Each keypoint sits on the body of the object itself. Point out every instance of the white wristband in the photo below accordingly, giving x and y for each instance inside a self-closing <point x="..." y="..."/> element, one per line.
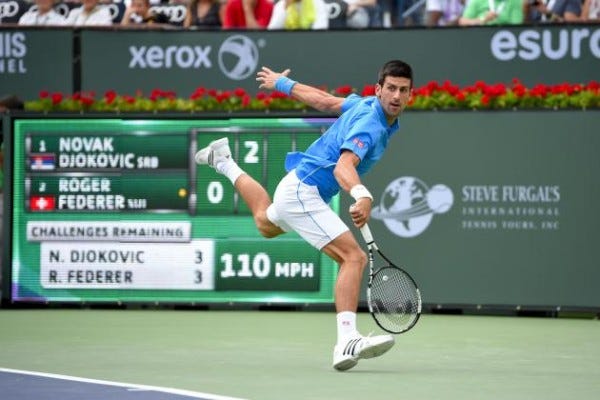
<point x="360" y="191"/>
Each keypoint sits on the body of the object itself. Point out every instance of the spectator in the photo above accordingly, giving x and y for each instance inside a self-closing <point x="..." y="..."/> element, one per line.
<point x="567" y="11"/>
<point x="492" y="12"/>
<point x="205" y="14"/>
<point x="299" y="14"/>
<point x="444" y="12"/>
<point x="537" y="11"/>
<point x="10" y="102"/>
<point x="90" y="14"/>
<point x="358" y="15"/>
<point x="139" y="13"/>
<point x="249" y="14"/>
<point x="42" y="14"/>
<point x="591" y="11"/>
<point x="408" y="12"/>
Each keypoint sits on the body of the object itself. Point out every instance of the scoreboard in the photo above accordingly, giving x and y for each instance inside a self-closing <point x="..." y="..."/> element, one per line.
<point x="116" y="210"/>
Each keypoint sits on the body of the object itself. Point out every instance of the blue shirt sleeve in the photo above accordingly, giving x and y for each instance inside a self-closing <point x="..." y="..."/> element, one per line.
<point x="350" y="102"/>
<point x="359" y="138"/>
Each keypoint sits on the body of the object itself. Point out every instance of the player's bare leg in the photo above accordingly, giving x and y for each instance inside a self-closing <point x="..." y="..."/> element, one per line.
<point x="351" y="345"/>
<point x="352" y="261"/>
<point x="258" y="200"/>
<point x="218" y="155"/>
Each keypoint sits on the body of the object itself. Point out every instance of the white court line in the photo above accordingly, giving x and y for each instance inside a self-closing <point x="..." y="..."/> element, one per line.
<point x="130" y="386"/>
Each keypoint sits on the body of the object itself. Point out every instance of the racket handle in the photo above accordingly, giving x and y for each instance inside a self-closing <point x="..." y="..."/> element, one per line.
<point x="366" y="234"/>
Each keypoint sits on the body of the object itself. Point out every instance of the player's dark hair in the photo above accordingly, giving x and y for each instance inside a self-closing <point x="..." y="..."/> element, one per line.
<point x="395" y="68"/>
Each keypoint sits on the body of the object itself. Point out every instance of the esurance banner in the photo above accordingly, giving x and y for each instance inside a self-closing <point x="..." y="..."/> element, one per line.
<point x="35" y="60"/>
<point x="182" y="61"/>
<point x="493" y="208"/>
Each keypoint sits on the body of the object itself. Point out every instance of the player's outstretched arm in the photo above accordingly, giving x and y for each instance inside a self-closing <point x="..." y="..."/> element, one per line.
<point x="347" y="176"/>
<point x="311" y="96"/>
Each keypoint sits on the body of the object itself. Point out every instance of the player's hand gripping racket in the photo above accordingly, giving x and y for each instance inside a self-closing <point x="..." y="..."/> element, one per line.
<point x="393" y="296"/>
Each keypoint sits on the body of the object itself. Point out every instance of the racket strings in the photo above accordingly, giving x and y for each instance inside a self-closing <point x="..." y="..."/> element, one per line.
<point x="394" y="299"/>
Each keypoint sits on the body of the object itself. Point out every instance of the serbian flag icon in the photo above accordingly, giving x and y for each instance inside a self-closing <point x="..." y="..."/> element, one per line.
<point x="42" y="161"/>
<point x="42" y="203"/>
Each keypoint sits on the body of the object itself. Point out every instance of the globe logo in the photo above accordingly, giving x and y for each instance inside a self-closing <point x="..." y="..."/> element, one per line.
<point x="238" y="57"/>
<point x="408" y="205"/>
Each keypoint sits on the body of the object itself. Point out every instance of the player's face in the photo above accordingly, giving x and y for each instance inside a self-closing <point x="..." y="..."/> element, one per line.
<point x="394" y="95"/>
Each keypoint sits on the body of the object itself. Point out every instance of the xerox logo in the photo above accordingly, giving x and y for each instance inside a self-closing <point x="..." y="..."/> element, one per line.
<point x="532" y="44"/>
<point x="237" y="57"/>
<point x="167" y="57"/>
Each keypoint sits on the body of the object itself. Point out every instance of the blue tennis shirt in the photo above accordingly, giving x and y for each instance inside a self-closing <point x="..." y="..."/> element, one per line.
<point x="362" y="128"/>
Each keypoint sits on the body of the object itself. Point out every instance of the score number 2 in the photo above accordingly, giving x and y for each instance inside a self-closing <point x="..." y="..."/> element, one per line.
<point x="214" y="190"/>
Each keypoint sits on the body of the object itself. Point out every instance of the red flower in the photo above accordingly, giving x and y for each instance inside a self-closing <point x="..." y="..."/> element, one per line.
<point x="432" y="86"/>
<point x="199" y="92"/>
<point x="56" y="98"/>
<point x="539" y="90"/>
<point x="450" y="88"/>
<point x="44" y="94"/>
<point x="495" y="90"/>
<point x="485" y="100"/>
<point x="223" y="96"/>
<point x="88" y="101"/>
<point x="245" y="100"/>
<point x="593" y="85"/>
<point x="518" y="89"/>
<point x="261" y="95"/>
<point x="344" y="90"/>
<point x="460" y="96"/>
<point x="239" y="92"/>
<point x="110" y="95"/>
<point x="470" y="89"/>
<point x="155" y="94"/>
<point x="481" y="85"/>
<point x="368" y="90"/>
<point x="423" y="91"/>
<point x="278" y="95"/>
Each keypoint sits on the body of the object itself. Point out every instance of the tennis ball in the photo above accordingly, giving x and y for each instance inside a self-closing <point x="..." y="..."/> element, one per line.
<point x="440" y="198"/>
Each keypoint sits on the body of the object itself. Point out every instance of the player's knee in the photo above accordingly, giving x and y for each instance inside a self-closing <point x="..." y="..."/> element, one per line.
<point x="266" y="228"/>
<point x="267" y="232"/>
<point x="359" y="257"/>
<point x="362" y="258"/>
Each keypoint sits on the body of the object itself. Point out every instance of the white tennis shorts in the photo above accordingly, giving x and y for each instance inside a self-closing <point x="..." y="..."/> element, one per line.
<point x="299" y="207"/>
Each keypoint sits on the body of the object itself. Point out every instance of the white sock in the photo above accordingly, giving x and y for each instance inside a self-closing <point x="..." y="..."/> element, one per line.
<point x="346" y="325"/>
<point x="230" y="169"/>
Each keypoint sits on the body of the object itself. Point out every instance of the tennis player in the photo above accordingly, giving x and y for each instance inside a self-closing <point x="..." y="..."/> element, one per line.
<point x="347" y="150"/>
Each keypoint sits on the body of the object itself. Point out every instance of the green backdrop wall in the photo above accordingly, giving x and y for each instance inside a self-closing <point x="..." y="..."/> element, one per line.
<point x="483" y="208"/>
<point x="493" y="208"/>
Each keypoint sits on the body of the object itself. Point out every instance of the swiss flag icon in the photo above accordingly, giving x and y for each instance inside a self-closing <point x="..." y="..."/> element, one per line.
<point x="41" y="203"/>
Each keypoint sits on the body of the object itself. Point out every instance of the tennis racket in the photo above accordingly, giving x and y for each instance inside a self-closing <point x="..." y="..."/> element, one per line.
<point x="393" y="296"/>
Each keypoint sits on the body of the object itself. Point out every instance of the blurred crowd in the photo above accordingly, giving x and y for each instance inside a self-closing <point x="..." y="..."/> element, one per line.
<point x="295" y="14"/>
